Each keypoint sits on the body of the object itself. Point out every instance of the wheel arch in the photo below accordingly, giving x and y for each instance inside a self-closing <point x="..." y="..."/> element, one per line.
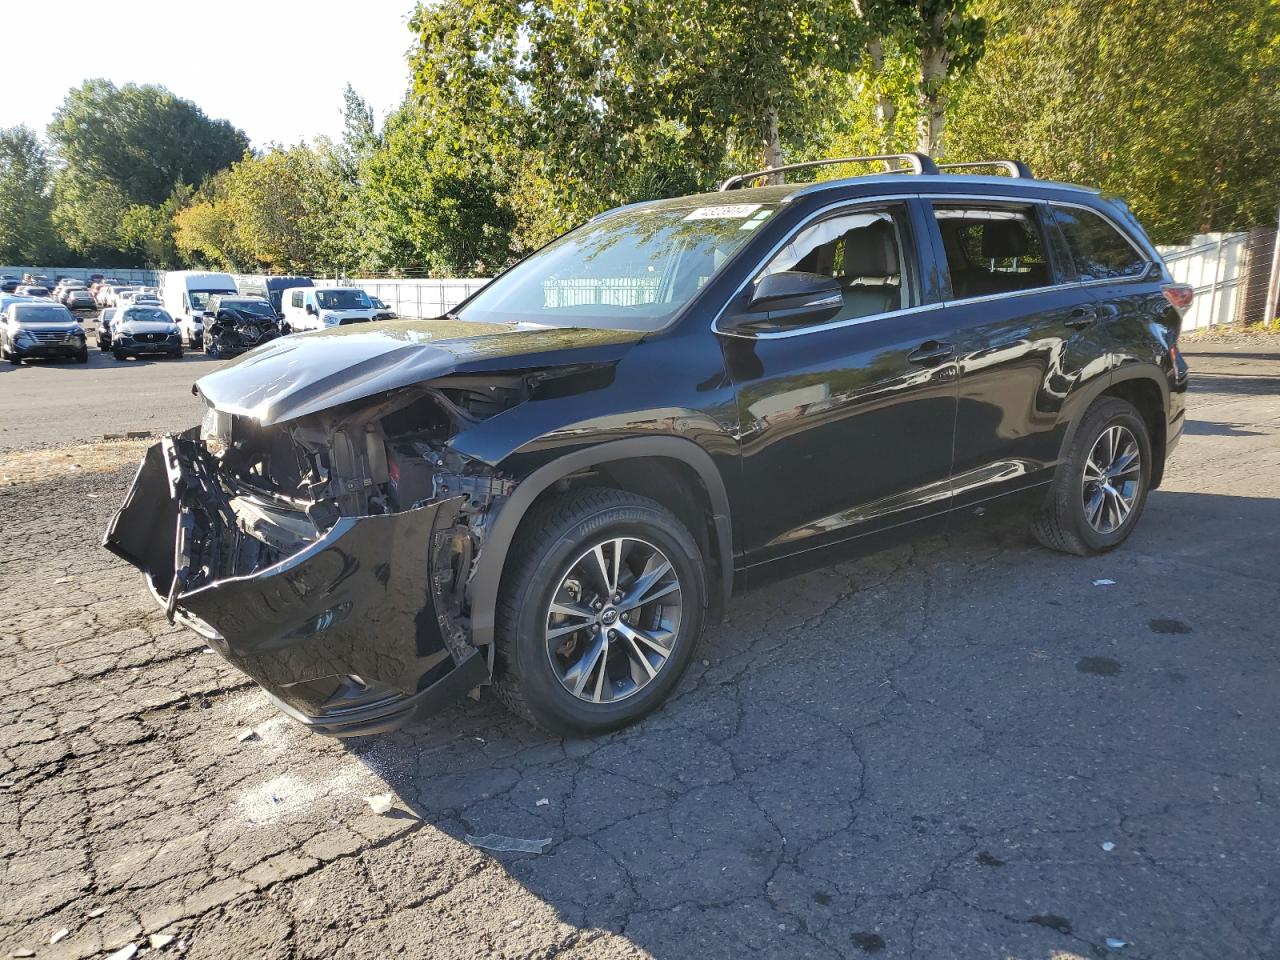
<point x="663" y="454"/>
<point x="1143" y="385"/>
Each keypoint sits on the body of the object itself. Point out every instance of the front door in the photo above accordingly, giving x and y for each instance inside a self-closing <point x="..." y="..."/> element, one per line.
<point x="846" y="426"/>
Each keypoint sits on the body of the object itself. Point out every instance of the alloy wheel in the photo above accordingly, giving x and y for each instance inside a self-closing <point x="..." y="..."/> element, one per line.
<point x="1112" y="479"/>
<point x="613" y="620"/>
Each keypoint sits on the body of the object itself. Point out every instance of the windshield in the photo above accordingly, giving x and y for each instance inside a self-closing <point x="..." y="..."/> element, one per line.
<point x="39" y="313"/>
<point x="200" y="298"/>
<point x="255" y="308"/>
<point x="631" y="271"/>
<point x="346" y="299"/>
<point x="148" y="314"/>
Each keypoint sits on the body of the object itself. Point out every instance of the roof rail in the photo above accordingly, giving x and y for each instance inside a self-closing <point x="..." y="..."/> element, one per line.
<point x="911" y="162"/>
<point x="1014" y="168"/>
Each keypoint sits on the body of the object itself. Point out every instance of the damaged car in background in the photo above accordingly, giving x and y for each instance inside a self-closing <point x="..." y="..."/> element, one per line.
<point x="552" y="488"/>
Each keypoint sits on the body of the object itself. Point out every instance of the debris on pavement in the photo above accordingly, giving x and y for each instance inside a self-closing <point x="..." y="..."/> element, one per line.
<point x="23" y="952"/>
<point x="159" y="941"/>
<point x="126" y="952"/>
<point x="60" y="935"/>
<point x="1104" y="583"/>
<point x="542" y="802"/>
<point x="1115" y="943"/>
<point x="495" y="841"/>
<point x="1108" y="846"/>
<point x="248" y="735"/>
<point x="380" y="803"/>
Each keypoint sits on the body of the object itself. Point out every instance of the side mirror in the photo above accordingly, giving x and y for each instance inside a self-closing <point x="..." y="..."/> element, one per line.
<point x="791" y="298"/>
<point x="208" y="314"/>
<point x="311" y="309"/>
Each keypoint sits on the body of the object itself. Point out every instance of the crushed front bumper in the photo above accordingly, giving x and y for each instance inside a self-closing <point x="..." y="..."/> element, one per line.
<point x="342" y="632"/>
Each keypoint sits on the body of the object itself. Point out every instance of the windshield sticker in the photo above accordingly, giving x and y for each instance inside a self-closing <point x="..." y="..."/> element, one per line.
<point x="728" y="211"/>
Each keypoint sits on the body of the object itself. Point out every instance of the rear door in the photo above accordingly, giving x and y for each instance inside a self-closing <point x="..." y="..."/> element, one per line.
<point x="1024" y="330"/>
<point x="846" y="426"/>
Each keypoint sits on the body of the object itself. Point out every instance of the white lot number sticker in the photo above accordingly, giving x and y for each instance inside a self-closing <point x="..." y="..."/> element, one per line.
<point x="728" y="211"/>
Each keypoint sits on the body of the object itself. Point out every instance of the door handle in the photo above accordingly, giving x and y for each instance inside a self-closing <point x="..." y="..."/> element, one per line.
<point x="1081" y="317"/>
<point x="931" y="353"/>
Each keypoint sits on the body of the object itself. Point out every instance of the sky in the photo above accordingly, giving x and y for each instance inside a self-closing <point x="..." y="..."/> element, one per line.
<point x="274" y="68"/>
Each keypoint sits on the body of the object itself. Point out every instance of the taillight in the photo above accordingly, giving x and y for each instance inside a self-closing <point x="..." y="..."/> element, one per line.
<point x="1179" y="295"/>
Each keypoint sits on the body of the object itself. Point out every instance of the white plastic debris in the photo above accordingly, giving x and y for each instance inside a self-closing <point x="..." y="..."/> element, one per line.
<point x="495" y="841"/>
<point x="248" y="735"/>
<point x="60" y="935"/>
<point x="1115" y="943"/>
<point x="1108" y="846"/>
<point x="23" y="952"/>
<point x="159" y="941"/>
<point x="126" y="952"/>
<point x="96" y="912"/>
<point x="379" y="803"/>
<point x="542" y="802"/>
<point x="1104" y="583"/>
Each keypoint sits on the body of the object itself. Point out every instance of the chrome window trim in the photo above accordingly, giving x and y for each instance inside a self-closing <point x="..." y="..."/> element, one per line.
<point x="870" y="318"/>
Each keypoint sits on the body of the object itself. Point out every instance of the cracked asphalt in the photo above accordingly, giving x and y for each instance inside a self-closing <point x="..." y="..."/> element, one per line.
<point x="963" y="748"/>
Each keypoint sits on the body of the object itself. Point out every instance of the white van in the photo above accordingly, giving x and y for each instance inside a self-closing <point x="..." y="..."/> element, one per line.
<point x="315" y="308"/>
<point x="185" y="293"/>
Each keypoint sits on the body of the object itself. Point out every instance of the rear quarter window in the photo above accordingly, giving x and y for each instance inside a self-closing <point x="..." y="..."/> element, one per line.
<point x="1100" y="251"/>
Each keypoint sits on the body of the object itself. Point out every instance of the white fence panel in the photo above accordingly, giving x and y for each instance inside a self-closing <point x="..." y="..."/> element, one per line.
<point x="1216" y="265"/>
<point x="418" y="298"/>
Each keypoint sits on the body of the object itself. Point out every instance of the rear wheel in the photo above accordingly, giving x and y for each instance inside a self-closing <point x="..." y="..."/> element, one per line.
<point x="1101" y="486"/>
<point x="600" y="610"/>
<point x="118" y="354"/>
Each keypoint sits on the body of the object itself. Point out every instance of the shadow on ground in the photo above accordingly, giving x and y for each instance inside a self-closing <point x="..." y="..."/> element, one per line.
<point x="923" y="753"/>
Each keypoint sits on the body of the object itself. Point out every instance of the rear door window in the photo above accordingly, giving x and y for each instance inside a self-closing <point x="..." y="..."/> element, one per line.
<point x="992" y="249"/>
<point x="1099" y="250"/>
<point x="295" y="300"/>
<point x="862" y="249"/>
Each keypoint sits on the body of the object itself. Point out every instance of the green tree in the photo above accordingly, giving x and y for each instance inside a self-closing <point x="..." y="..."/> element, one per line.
<point x="1175" y="108"/>
<point x="27" y="234"/>
<point x="121" y="147"/>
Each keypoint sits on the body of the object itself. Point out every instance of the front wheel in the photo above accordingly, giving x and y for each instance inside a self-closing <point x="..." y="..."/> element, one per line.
<point x="1101" y="486"/>
<point x="118" y="354"/>
<point x="82" y="356"/>
<point x="601" y="607"/>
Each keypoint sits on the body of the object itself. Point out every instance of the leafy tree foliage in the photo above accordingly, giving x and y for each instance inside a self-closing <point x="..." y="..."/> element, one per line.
<point x="1175" y="108"/>
<point x="27" y="233"/>
<point x="126" y="146"/>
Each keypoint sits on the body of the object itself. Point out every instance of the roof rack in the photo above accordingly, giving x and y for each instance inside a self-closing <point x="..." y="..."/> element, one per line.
<point x="910" y="163"/>
<point x="1014" y="168"/>
<point x="916" y="163"/>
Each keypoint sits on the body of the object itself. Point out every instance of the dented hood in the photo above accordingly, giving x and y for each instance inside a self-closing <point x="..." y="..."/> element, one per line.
<point x="309" y="372"/>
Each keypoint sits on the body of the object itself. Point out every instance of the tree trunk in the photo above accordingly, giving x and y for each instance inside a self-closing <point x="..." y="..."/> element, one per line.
<point x="934" y="62"/>
<point x="773" y="147"/>
<point x="886" y="109"/>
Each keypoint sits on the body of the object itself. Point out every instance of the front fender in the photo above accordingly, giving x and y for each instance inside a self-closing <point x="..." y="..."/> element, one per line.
<point x="487" y="579"/>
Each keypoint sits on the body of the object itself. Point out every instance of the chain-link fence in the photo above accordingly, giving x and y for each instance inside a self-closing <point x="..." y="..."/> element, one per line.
<point x="1231" y="274"/>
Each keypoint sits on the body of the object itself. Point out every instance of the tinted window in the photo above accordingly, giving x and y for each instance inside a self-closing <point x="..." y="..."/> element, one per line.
<point x="992" y="249"/>
<point x="349" y="299"/>
<point x="40" y="313"/>
<point x="862" y="250"/>
<point x="148" y="314"/>
<point x="633" y="270"/>
<point x="295" y="299"/>
<point x="1099" y="250"/>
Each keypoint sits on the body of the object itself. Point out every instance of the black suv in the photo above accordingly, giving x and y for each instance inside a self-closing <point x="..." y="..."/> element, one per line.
<point x="555" y="486"/>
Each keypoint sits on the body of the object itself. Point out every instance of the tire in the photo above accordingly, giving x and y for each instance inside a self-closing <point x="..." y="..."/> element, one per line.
<point x="83" y="356"/>
<point x="177" y="354"/>
<point x="1062" y="522"/>
<point x="119" y="355"/>
<point x="552" y="541"/>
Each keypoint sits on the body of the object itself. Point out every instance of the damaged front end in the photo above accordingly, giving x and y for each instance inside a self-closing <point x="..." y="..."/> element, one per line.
<point x="327" y="557"/>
